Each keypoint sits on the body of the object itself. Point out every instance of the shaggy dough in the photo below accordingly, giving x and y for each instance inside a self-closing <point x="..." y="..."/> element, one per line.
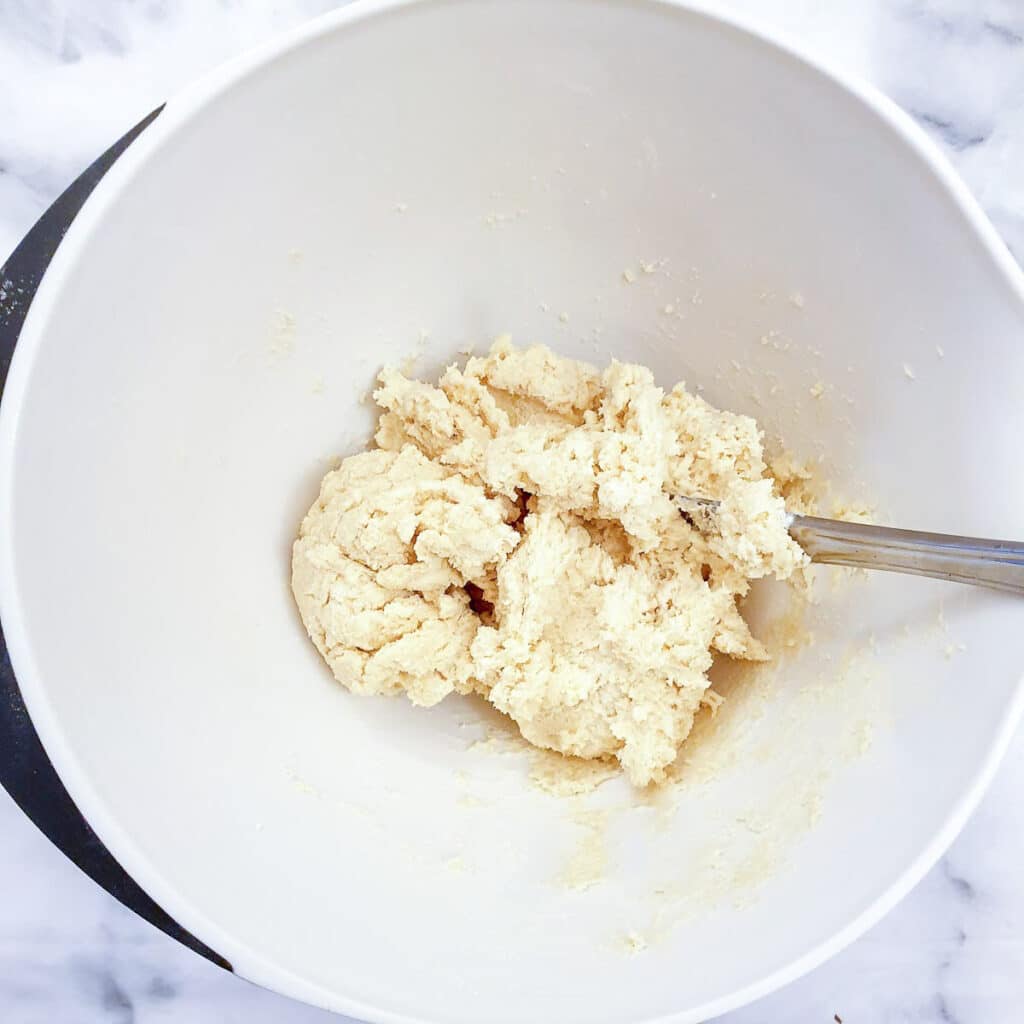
<point x="514" y="535"/>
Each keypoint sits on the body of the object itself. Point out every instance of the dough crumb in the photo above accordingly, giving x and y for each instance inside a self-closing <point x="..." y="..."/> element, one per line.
<point x="865" y="736"/>
<point x="560" y="775"/>
<point x="589" y="860"/>
<point x="514" y="535"/>
<point x="712" y="701"/>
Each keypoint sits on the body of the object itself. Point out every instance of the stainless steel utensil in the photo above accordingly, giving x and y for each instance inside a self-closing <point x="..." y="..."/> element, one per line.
<point x="996" y="564"/>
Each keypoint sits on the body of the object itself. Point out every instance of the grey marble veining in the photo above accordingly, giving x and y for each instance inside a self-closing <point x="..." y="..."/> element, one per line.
<point x="74" y="74"/>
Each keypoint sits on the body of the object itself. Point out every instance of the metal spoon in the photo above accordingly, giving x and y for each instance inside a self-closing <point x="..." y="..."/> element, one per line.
<point x="997" y="564"/>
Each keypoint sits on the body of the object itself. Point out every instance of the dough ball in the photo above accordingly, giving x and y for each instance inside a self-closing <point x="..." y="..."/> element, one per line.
<point x="380" y="568"/>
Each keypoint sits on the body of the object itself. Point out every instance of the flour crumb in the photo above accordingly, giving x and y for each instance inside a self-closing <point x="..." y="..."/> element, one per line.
<point x="628" y="276"/>
<point x="634" y="943"/>
<point x="282" y="341"/>
<point x="940" y="351"/>
<point x="301" y="786"/>
<point x="669" y="309"/>
<point x="400" y="207"/>
<point x="816" y="390"/>
<point x="796" y="300"/>
<point x="500" y="219"/>
<point x="317" y="387"/>
<point x="564" y="317"/>
<point x="295" y="256"/>
<point x="908" y="372"/>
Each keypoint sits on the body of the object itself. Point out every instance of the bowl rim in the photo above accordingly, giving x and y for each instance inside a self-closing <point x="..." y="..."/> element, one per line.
<point x="176" y="114"/>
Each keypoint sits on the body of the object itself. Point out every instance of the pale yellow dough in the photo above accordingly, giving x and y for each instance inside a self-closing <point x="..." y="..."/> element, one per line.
<point x="514" y="535"/>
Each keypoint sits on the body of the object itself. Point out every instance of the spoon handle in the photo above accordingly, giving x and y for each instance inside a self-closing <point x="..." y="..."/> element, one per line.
<point x="998" y="564"/>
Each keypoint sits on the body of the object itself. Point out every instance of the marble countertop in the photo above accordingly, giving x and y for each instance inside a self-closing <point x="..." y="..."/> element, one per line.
<point x="75" y="75"/>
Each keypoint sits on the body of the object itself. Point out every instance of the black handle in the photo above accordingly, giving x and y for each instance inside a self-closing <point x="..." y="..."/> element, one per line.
<point x="25" y="770"/>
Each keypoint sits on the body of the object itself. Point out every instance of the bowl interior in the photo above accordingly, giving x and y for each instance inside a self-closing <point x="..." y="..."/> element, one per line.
<point x="406" y="184"/>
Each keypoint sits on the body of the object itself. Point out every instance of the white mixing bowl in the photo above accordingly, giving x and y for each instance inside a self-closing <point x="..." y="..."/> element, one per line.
<point x="195" y="357"/>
